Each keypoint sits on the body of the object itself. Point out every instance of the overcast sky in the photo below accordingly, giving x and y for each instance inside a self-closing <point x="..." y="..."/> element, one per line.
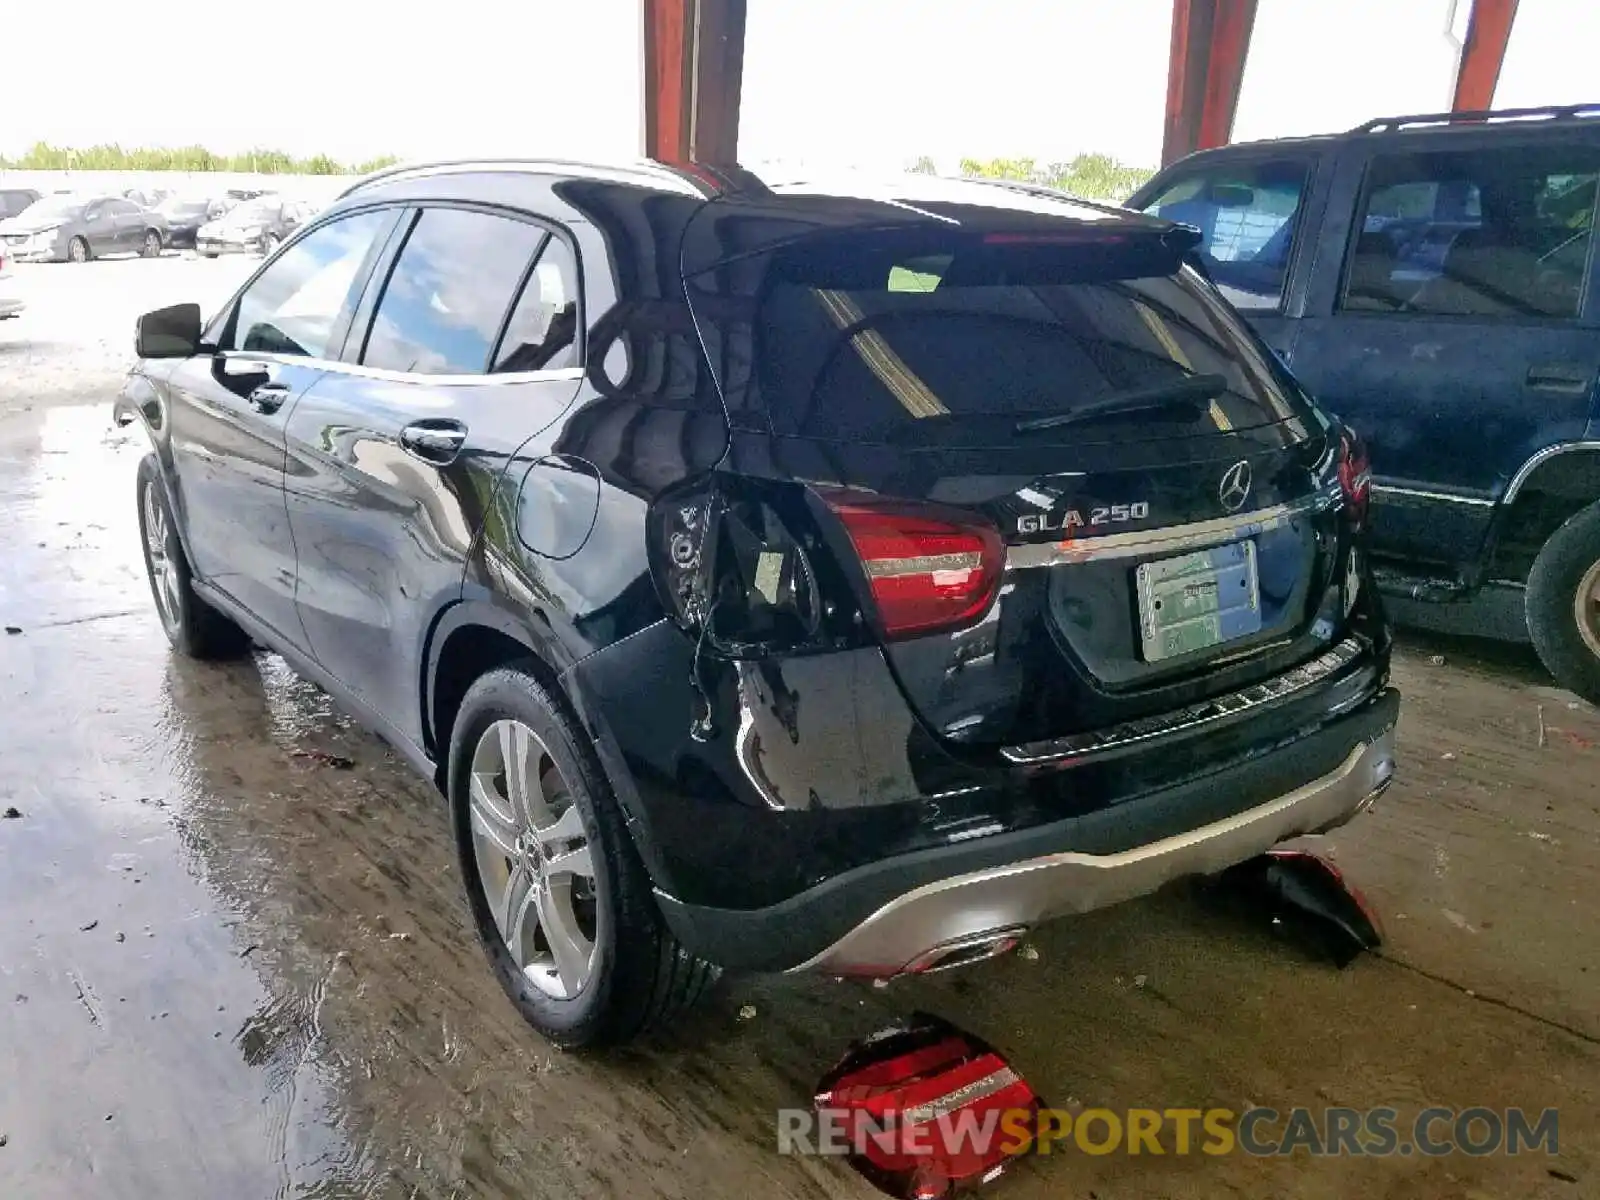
<point x="863" y="82"/>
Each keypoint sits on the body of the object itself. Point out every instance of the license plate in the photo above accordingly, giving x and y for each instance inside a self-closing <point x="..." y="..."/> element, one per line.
<point x="1197" y="601"/>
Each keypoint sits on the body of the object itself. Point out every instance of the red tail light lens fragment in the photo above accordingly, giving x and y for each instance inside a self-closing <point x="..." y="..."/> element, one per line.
<point x="929" y="569"/>
<point x="1305" y="897"/>
<point x="928" y="1109"/>
<point x="1355" y="474"/>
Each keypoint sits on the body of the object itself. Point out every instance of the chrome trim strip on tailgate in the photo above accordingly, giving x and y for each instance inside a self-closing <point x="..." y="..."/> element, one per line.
<point x="1207" y="712"/>
<point x="1171" y="540"/>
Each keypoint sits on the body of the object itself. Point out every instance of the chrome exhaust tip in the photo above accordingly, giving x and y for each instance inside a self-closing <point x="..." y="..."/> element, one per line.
<point x="970" y="948"/>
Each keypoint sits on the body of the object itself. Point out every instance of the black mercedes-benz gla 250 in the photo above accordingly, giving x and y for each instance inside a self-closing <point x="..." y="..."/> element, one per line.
<point x="775" y="577"/>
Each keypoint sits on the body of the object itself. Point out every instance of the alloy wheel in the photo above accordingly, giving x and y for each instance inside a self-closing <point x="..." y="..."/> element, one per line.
<point x="1586" y="608"/>
<point x="533" y="860"/>
<point x="162" y="574"/>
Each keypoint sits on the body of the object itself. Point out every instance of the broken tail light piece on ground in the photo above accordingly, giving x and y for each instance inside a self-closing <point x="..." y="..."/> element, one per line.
<point x="1304" y="897"/>
<point x="928" y="1109"/>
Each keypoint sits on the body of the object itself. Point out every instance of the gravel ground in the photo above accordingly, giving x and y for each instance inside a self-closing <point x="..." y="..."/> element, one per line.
<point x="75" y="340"/>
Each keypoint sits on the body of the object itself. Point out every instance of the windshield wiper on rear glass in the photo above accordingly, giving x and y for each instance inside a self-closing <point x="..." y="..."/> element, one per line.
<point x="1189" y="391"/>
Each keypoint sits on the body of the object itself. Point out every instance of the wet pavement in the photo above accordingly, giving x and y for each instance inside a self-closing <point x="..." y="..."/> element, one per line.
<point x="230" y="968"/>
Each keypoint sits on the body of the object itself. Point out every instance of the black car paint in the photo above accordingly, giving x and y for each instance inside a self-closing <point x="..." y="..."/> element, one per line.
<point x="369" y="568"/>
<point x="1455" y="409"/>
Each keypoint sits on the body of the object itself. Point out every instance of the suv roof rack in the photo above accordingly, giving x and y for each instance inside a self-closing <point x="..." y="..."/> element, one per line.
<point x="1548" y="112"/>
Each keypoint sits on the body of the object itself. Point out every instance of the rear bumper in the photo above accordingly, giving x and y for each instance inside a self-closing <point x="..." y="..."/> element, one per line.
<point x="889" y="916"/>
<point x="978" y="908"/>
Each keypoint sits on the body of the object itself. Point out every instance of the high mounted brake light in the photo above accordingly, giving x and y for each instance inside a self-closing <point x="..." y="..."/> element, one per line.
<point x="928" y="569"/>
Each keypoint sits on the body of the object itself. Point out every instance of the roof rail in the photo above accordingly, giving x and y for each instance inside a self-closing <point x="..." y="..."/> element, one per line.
<point x="1549" y="112"/>
<point x="645" y="169"/>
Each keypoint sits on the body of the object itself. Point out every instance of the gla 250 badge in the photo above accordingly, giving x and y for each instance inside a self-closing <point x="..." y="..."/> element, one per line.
<point x="1070" y="519"/>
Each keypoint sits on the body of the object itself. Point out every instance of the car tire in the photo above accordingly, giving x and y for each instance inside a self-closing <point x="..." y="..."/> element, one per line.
<point x="192" y="626"/>
<point x="78" y="250"/>
<point x="152" y="245"/>
<point x="1563" y="604"/>
<point x="623" y="970"/>
<point x="269" y="243"/>
<point x="209" y="254"/>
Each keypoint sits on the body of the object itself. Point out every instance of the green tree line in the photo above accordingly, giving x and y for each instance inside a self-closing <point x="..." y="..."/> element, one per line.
<point x="1092" y="176"/>
<point x="44" y="157"/>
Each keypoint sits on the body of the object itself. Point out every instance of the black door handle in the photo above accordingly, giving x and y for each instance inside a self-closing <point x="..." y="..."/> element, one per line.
<point x="1568" y="378"/>
<point x="434" y="441"/>
<point x="268" y="398"/>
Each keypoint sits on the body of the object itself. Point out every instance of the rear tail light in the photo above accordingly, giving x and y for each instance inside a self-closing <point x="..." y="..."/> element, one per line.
<point x="1355" y="475"/>
<point x="729" y="564"/>
<point x="928" y="569"/>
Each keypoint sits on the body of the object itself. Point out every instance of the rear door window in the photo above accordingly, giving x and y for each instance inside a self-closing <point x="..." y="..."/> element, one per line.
<point x="448" y="294"/>
<point x="1501" y="232"/>
<point x="1248" y="216"/>
<point x="962" y="346"/>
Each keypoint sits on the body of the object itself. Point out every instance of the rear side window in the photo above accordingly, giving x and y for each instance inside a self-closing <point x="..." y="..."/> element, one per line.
<point x="447" y="295"/>
<point x="1487" y="233"/>
<point x="961" y="346"/>
<point x="1247" y="215"/>
<point x="542" y="332"/>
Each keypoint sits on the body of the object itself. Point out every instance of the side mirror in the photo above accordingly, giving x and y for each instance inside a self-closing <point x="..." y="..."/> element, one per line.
<point x="171" y="332"/>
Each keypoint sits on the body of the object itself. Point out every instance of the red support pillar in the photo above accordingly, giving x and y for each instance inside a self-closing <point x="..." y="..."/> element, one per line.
<point x="693" y="71"/>
<point x="1483" y="53"/>
<point x="1210" y="40"/>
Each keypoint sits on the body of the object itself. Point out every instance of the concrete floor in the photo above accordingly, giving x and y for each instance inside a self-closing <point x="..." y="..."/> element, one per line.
<point x="229" y="969"/>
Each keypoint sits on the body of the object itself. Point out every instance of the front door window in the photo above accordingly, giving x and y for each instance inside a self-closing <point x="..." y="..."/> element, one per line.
<point x="294" y="306"/>
<point x="1247" y="214"/>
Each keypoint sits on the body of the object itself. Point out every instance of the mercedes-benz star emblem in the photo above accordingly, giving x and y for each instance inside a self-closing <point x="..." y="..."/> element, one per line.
<point x="1235" y="489"/>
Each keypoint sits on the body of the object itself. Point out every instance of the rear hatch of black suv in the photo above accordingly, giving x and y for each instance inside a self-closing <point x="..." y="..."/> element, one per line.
<point x="1066" y="487"/>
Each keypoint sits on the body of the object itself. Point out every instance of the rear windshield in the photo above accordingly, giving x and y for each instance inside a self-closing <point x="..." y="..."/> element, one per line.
<point x="964" y="343"/>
